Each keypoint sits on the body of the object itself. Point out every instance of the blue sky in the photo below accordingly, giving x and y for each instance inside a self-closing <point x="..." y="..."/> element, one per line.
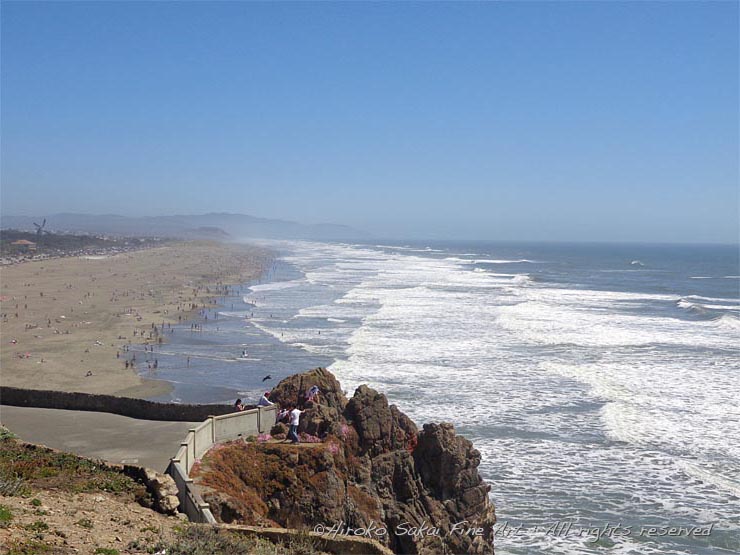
<point x="566" y="121"/>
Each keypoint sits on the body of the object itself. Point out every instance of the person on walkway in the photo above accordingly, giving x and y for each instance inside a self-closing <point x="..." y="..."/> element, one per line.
<point x="238" y="405"/>
<point x="295" y="417"/>
<point x="265" y="400"/>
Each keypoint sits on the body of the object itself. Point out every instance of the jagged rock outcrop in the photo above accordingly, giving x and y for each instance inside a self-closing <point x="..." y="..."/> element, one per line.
<point x="414" y="491"/>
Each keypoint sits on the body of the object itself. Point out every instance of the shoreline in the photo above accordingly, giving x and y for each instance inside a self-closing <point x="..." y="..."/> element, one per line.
<point x="217" y="373"/>
<point x="66" y="321"/>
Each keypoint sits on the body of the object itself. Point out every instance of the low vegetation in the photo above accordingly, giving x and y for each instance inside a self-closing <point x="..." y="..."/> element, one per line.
<point x="48" y="478"/>
<point x="5" y="516"/>
<point x="24" y="467"/>
<point x="206" y="540"/>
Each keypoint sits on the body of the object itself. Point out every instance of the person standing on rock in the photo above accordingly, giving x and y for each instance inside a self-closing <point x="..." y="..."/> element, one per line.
<point x="295" y="417"/>
<point x="313" y="394"/>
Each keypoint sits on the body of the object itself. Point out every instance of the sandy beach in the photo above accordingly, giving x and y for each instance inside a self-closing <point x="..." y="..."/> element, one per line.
<point x="65" y="321"/>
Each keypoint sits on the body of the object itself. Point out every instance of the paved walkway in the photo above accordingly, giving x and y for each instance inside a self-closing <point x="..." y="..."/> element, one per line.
<point x="111" y="437"/>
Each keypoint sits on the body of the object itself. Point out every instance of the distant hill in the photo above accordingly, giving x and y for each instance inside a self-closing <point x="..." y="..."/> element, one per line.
<point x="234" y="226"/>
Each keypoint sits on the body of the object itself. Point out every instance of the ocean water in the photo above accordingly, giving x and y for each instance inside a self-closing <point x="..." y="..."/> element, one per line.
<point x="599" y="382"/>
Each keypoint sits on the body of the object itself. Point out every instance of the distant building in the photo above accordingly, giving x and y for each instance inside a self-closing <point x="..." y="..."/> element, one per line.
<point x="24" y="245"/>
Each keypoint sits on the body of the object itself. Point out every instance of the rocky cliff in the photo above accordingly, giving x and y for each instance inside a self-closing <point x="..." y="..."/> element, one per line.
<point x="365" y="469"/>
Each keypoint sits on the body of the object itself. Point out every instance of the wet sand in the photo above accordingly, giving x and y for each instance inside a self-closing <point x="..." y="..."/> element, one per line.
<point x="66" y="322"/>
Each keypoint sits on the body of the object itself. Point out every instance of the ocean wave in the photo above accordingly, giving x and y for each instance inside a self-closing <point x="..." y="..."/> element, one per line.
<point x="691" y="307"/>
<point x="425" y="324"/>
<point x="710" y="477"/>
<point x="591" y="318"/>
<point x="713" y="299"/>
<point x="721" y="307"/>
<point x="522" y="279"/>
<point x="408" y="249"/>
<point x="625" y="271"/>
<point x="277" y="285"/>
<point x="233" y="314"/>
<point x="704" y="307"/>
<point x="728" y="322"/>
<point x="504" y="261"/>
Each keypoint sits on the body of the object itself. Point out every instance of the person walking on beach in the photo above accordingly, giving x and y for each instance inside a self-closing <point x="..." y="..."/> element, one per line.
<point x="295" y="417"/>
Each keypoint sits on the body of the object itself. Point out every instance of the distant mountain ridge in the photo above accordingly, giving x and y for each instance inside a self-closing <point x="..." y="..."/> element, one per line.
<point x="236" y="226"/>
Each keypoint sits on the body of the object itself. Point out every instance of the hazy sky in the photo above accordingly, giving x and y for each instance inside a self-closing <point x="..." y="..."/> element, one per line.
<point x="571" y="121"/>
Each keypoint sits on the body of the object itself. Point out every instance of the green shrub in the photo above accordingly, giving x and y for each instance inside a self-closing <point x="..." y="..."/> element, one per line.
<point x="27" y="547"/>
<point x="38" y="526"/>
<point x="5" y="516"/>
<point x="152" y="529"/>
<point x="85" y="523"/>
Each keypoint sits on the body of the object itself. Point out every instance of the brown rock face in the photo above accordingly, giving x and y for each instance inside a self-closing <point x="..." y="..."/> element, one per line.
<point x="419" y="492"/>
<point x="369" y="413"/>
<point x="293" y="389"/>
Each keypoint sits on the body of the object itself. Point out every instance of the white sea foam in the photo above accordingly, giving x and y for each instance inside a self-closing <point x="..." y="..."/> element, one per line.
<point x="233" y="313"/>
<point x="711" y="476"/>
<point x="581" y="387"/>
<point x="713" y="299"/>
<point x="502" y="261"/>
<point x="729" y="322"/>
<point x="273" y="286"/>
<point x="521" y="279"/>
<point x="721" y="307"/>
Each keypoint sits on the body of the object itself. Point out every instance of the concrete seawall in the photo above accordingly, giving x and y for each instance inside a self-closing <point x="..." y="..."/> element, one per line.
<point x="124" y="406"/>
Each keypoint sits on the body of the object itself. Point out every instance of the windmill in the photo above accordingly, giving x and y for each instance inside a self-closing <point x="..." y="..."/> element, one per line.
<point x="40" y="228"/>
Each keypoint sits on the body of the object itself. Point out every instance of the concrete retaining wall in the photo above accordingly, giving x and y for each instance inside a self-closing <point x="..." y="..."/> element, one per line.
<point x="199" y="440"/>
<point x="231" y="426"/>
<point x="133" y="408"/>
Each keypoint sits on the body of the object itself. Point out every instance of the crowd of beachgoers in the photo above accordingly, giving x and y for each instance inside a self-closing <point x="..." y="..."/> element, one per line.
<point x="69" y="315"/>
